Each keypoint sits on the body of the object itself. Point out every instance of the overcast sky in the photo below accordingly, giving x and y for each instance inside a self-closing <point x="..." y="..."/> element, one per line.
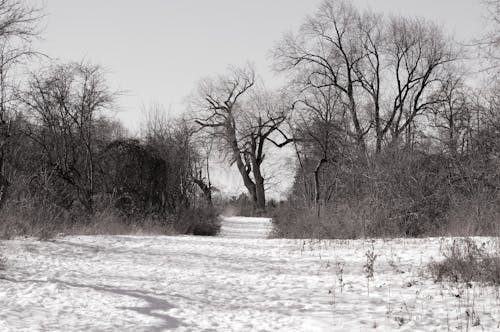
<point x="156" y="50"/>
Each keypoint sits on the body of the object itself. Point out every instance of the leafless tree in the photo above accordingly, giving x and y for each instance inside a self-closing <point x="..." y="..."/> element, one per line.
<point x="452" y="116"/>
<point x="201" y="175"/>
<point x="419" y="52"/>
<point x="242" y="121"/>
<point x="18" y="27"/>
<point x="491" y="41"/>
<point x="320" y="131"/>
<point x="326" y="51"/>
<point x="65" y="102"/>
<point x="173" y="139"/>
<point x="386" y="69"/>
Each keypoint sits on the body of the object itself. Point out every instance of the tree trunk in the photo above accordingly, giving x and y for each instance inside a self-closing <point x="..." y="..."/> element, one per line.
<point x="260" y="193"/>
<point x="5" y="133"/>
<point x="244" y="172"/>
<point x="360" y="138"/>
<point x="206" y="189"/>
<point x="4" y="186"/>
<point x="317" y="193"/>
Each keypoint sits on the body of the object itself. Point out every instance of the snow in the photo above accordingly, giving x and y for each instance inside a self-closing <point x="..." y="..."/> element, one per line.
<point x="252" y="228"/>
<point x="187" y="283"/>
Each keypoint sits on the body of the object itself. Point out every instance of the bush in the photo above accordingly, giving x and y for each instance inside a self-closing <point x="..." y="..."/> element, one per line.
<point x="200" y="221"/>
<point x="295" y="221"/>
<point x="478" y="214"/>
<point x="240" y="205"/>
<point x="45" y="220"/>
<point x="397" y="193"/>
<point x="466" y="262"/>
<point x="3" y="263"/>
<point x="31" y="218"/>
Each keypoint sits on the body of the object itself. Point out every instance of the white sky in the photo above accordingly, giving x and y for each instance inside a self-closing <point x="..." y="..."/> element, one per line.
<point x="156" y="50"/>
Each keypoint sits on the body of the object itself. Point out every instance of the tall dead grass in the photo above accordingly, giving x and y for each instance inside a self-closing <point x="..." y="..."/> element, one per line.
<point x="465" y="261"/>
<point x="44" y="220"/>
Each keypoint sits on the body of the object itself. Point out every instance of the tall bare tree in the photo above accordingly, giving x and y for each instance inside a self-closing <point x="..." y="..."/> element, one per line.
<point x="242" y="122"/>
<point x="65" y="102"/>
<point x="452" y="117"/>
<point x="418" y="55"/>
<point x="320" y="133"/>
<point x="326" y="52"/>
<point x="386" y="69"/>
<point x="491" y="42"/>
<point x="18" y="27"/>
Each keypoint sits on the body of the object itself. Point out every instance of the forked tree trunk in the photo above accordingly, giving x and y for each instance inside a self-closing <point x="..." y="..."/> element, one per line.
<point x="4" y="186"/>
<point x="4" y="183"/>
<point x="260" y="193"/>
<point x="206" y="189"/>
<point x="317" y="192"/>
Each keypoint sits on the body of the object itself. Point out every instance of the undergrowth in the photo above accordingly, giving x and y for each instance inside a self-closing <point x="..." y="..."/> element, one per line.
<point x="465" y="261"/>
<point x="47" y="221"/>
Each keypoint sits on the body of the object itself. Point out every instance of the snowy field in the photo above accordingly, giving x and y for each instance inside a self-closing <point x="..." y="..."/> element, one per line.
<point x="186" y="283"/>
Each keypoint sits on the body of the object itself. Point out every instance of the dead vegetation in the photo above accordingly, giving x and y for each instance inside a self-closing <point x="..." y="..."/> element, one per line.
<point x="466" y="262"/>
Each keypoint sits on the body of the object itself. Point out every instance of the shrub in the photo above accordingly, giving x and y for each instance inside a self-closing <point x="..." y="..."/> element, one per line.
<point x="45" y="220"/>
<point x="199" y="221"/>
<point x="3" y="263"/>
<point x="467" y="262"/>
<point x="478" y="214"/>
<point x="294" y="221"/>
<point x="240" y="205"/>
<point x="30" y="218"/>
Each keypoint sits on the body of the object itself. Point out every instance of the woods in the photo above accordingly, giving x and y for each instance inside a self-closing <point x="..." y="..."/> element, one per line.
<point x="390" y="128"/>
<point x="392" y="132"/>
<point x="327" y="165"/>
<point x="243" y="122"/>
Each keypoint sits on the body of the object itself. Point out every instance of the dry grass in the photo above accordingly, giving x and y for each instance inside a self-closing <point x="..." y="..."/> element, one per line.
<point x="201" y="221"/>
<point x="466" y="262"/>
<point x="293" y="221"/>
<point x="3" y="263"/>
<point x="45" y="221"/>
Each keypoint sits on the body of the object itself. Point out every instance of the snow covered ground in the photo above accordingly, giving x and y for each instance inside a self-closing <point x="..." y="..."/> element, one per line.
<point x="186" y="283"/>
<point x="246" y="228"/>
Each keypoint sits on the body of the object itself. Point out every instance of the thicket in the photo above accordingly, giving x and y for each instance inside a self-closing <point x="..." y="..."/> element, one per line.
<point x="465" y="262"/>
<point x="69" y="168"/>
<point x="398" y="193"/>
<point x="390" y="139"/>
<point x="66" y="166"/>
<point x="120" y="185"/>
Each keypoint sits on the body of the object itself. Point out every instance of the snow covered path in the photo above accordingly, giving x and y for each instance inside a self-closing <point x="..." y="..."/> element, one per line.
<point x="187" y="283"/>
<point x="246" y="228"/>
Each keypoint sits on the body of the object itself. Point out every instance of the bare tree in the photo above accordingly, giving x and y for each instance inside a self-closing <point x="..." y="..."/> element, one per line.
<point x="491" y="41"/>
<point x="418" y="53"/>
<point x="326" y="51"/>
<point x="201" y="177"/>
<point x="242" y="122"/>
<point x="386" y="70"/>
<point x="18" y="28"/>
<point x="452" y="115"/>
<point x="65" y="102"/>
<point x="173" y="137"/>
<point x="320" y="132"/>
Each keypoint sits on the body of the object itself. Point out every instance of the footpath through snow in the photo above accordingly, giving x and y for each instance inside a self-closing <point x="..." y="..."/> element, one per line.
<point x="188" y="283"/>
<point x="245" y="228"/>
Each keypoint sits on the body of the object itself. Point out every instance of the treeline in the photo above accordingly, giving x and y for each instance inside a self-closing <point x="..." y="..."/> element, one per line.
<point x="392" y="138"/>
<point x="392" y="133"/>
<point x="66" y="166"/>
